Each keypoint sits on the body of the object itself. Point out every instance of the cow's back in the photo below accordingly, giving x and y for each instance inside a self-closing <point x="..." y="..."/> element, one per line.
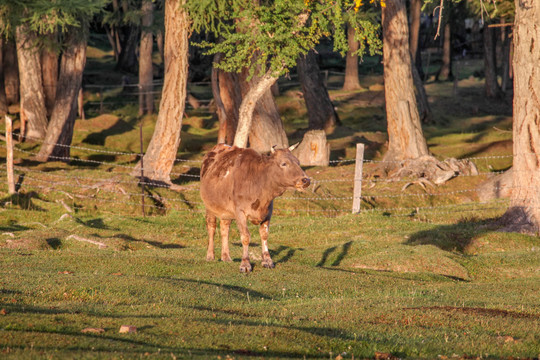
<point x="227" y="174"/>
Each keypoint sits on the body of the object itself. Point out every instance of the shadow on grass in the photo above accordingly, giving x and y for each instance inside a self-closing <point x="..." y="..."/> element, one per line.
<point x="289" y="253"/>
<point x="23" y="200"/>
<point x="149" y="242"/>
<point x="454" y="237"/>
<point x="98" y="138"/>
<point x="329" y="332"/>
<point x="343" y="253"/>
<point x="234" y="288"/>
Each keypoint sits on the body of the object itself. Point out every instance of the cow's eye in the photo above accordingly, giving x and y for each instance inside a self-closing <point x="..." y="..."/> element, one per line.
<point x="284" y="164"/>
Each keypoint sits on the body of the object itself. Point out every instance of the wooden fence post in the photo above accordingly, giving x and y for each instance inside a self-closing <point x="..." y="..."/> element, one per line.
<point x="357" y="193"/>
<point x="9" y="156"/>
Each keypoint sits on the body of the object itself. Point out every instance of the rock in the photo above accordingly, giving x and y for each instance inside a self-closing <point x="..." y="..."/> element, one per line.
<point x="127" y="329"/>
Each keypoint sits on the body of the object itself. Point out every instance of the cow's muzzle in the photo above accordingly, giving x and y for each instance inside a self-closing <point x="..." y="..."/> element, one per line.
<point x="303" y="184"/>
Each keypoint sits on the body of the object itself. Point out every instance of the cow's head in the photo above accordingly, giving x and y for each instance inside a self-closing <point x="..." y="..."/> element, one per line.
<point x="287" y="170"/>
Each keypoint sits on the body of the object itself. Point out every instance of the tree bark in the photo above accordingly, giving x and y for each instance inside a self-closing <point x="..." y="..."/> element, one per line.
<point x="445" y="72"/>
<point x="49" y="73"/>
<point x="321" y="112"/>
<point x="524" y="212"/>
<point x="60" y="128"/>
<point x="161" y="153"/>
<point x="415" y="12"/>
<point x="507" y="46"/>
<point x="258" y="116"/>
<point x="351" y="63"/>
<point x="146" y="98"/>
<point x="424" y="110"/>
<point x="11" y="72"/>
<point x="405" y="137"/>
<point x="227" y="95"/>
<point x="3" y="98"/>
<point x="31" y="86"/>
<point x="256" y="94"/>
<point x="491" y="87"/>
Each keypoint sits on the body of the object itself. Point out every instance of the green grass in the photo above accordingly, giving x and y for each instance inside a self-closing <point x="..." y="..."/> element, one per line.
<point x="352" y="284"/>
<point x="412" y="276"/>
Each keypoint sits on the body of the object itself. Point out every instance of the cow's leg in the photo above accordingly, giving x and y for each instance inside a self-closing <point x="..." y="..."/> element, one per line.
<point x="211" y="228"/>
<point x="224" y="228"/>
<point x="264" y="229"/>
<point x="241" y="221"/>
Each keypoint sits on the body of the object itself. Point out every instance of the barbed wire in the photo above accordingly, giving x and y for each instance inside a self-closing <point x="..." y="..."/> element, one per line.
<point x="69" y="158"/>
<point x="98" y="180"/>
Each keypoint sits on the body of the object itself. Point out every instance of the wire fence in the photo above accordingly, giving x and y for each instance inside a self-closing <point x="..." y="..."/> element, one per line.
<point x="110" y="182"/>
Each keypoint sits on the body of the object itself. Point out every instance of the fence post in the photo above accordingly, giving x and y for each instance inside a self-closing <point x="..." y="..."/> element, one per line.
<point x="142" y="166"/>
<point x="9" y="156"/>
<point x="357" y="193"/>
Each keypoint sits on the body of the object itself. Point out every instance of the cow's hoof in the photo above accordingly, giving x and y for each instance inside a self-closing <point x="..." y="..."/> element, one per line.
<point x="245" y="268"/>
<point x="209" y="257"/>
<point x="226" y="258"/>
<point x="268" y="263"/>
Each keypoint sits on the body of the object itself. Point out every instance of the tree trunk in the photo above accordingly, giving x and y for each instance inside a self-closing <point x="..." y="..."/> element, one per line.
<point x="161" y="153"/>
<point x="159" y="43"/>
<point x="405" y="137"/>
<point x="424" y="110"/>
<point x="146" y="98"/>
<point x="49" y="73"/>
<point x="60" y="129"/>
<point x="127" y="59"/>
<point x="506" y="45"/>
<point x="524" y="212"/>
<point x="226" y="92"/>
<point x="415" y="12"/>
<point x="31" y="85"/>
<point x="258" y="118"/>
<point x="11" y="72"/>
<point x="321" y="112"/>
<point x="491" y="87"/>
<point x="351" y="64"/>
<point x="3" y="98"/>
<point x="445" y="72"/>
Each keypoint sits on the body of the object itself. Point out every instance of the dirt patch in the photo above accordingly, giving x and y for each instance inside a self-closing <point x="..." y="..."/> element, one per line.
<point x="479" y="311"/>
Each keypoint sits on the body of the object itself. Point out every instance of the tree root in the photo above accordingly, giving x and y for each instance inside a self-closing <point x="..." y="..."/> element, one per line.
<point x="519" y="219"/>
<point x="430" y="170"/>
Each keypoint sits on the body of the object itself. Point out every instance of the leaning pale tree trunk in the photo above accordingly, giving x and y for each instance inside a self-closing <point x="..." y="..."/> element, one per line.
<point x="60" y="130"/>
<point x="256" y="90"/>
<point x="405" y="137"/>
<point x="31" y="85"/>
<point x="321" y="112"/>
<point x="351" y="63"/>
<point x="524" y="212"/>
<point x="161" y="152"/>
<point x="259" y="120"/>
<point x="146" y="98"/>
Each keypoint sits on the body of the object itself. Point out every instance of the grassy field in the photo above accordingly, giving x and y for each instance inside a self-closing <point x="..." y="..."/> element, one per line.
<point x="413" y="276"/>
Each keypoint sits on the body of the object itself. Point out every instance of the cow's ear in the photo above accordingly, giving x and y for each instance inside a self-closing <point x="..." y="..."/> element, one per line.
<point x="292" y="147"/>
<point x="273" y="149"/>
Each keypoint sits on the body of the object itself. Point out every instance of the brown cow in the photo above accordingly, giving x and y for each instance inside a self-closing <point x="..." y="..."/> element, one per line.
<point x="241" y="184"/>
